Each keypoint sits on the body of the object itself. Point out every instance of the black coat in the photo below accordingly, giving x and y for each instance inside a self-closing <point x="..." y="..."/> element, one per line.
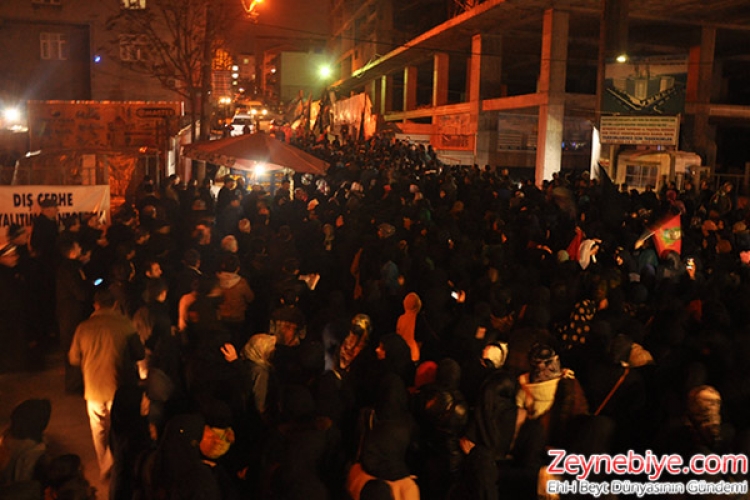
<point x="74" y="299"/>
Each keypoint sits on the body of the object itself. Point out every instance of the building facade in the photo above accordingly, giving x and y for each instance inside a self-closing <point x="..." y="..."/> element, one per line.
<point x="63" y="50"/>
<point x="515" y="84"/>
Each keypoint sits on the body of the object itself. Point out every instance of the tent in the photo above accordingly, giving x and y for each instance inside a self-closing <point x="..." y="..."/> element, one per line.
<point x="246" y="152"/>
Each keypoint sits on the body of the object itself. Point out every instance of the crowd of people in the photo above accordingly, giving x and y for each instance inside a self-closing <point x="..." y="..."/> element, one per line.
<point x="397" y="328"/>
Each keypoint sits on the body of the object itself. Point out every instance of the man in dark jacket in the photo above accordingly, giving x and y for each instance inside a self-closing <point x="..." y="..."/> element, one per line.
<point x="13" y="321"/>
<point x="73" y="292"/>
<point x="44" y="234"/>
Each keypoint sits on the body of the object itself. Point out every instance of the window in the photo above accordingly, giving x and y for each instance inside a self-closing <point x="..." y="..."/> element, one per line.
<point x="640" y="176"/>
<point x="133" y="47"/>
<point x="133" y="4"/>
<point x="47" y="2"/>
<point x="53" y="46"/>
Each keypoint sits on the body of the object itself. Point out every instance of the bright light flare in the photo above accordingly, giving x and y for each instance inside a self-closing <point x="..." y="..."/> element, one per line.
<point x="12" y="115"/>
<point x="325" y="71"/>
<point x="259" y="169"/>
<point x="622" y="58"/>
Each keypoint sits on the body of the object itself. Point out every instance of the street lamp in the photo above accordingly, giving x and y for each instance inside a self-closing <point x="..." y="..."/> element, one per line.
<point x="325" y="72"/>
<point x="249" y="7"/>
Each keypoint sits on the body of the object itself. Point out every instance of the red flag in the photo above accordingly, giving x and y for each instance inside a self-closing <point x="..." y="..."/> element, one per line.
<point x="575" y="244"/>
<point x="668" y="236"/>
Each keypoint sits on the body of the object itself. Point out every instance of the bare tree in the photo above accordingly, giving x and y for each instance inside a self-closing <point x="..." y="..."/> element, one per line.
<point x="175" y="41"/>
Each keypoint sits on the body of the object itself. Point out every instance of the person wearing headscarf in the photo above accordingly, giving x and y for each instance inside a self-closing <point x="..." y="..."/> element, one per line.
<point x="22" y="445"/>
<point x="549" y="395"/>
<point x="476" y="370"/>
<point x="702" y="430"/>
<point x="341" y="390"/>
<point x="257" y="372"/>
<point x="587" y="253"/>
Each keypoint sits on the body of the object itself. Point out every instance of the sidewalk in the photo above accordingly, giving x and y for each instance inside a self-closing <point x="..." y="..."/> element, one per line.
<point x="68" y="430"/>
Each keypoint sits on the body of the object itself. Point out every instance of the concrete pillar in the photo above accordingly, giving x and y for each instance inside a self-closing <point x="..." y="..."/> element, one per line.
<point x="410" y="88"/>
<point x="386" y="94"/>
<point x="440" y="79"/>
<point x="552" y="85"/>
<point x="485" y="76"/>
<point x="699" y="84"/>
<point x="375" y="95"/>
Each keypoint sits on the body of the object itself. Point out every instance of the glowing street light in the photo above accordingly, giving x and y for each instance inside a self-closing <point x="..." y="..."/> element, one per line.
<point x="325" y="72"/>
<point x="12" y="115"/>
<point x="250" y="5"/>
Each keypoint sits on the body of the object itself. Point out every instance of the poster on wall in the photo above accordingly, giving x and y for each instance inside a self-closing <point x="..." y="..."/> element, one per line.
<point x="640" y="130"/>
<point x="453" y="132"/>
<point x="101" y="124"/>
<point x="20" y="204"/>
<point x="645" y="86"/>
<point x="518" y="132"/>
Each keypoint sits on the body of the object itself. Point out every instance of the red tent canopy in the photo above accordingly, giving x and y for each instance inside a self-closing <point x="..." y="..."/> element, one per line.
<point x="247" y="151"/>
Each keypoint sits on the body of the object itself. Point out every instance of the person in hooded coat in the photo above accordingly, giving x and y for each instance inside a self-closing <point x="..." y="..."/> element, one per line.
<point x="388" y="435"/>
<point x="406" y="326"/>
<point x="22" y="446"/>
<point x="489" y="438"/>
<point x="237" y="296"/>
<point x="442" y="414"/>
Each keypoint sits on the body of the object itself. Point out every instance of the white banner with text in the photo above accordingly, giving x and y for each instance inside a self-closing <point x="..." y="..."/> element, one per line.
<point x="20" y="204"/>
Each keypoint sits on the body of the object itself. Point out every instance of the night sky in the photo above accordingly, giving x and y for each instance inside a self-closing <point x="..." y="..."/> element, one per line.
<point x="285" y="21"/>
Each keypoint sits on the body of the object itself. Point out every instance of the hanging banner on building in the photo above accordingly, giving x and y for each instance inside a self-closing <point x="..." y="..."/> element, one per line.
<point x="642" y="130"/>
<point x="646" y="86"/>
<point x="453" y="132"/>
<point x="353" y="118"/>
<point x="20" y="204"/>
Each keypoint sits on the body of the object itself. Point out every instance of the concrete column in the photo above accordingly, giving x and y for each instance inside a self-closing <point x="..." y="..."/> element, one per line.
<point x="485" y="73"/>
<point x="699" y="80"/>
<point x="410" y="88"/>
<point x="552" y="85"/>
<point x="375" y="95"/>
<point x="386" y="94"/>
<point x="440" y="79"/>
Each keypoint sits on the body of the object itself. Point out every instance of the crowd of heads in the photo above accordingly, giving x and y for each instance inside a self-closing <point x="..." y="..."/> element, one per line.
<point x="398" y="283"/>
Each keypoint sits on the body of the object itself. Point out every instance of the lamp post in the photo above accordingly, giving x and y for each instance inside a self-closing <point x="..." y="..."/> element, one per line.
<point x="249" y="7"/>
